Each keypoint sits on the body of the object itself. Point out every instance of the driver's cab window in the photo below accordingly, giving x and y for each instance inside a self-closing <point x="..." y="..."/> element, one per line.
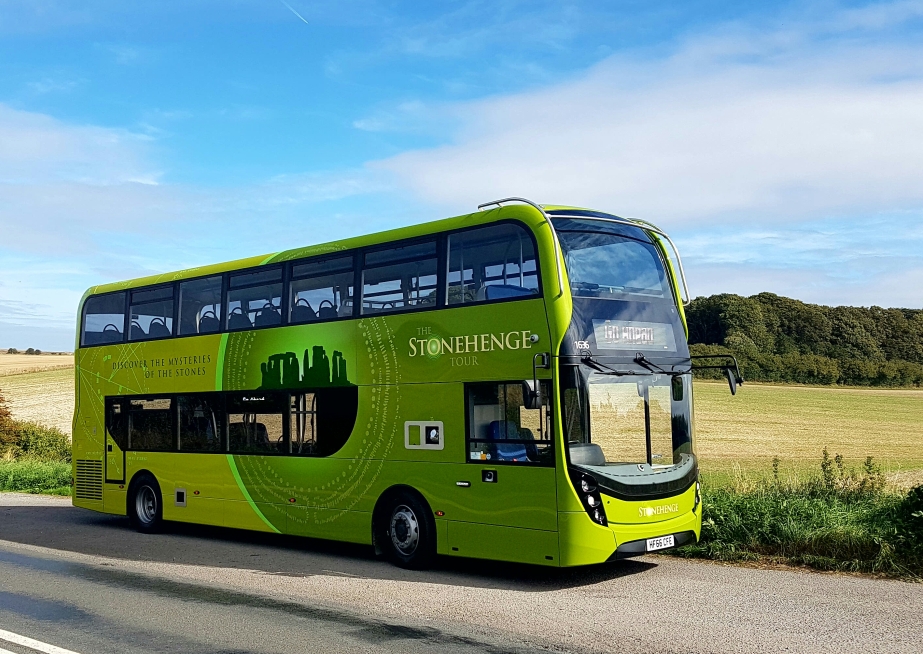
<point x="501" y="429"/>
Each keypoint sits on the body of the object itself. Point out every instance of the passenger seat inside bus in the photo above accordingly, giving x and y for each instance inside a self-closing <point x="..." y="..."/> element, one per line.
<point x="158" y="329"/>
<point x="326" y="311"/>
<point x="137" y="332"/>
<point x="302" y="311"/>
<point x="209" y="323"/>
<point x="237" y="319"/>
<point x="268" y="316"/>
<point x="501" y="430"/>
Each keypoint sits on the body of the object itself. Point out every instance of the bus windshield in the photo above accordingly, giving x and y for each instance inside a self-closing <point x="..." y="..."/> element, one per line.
<point x="630" y="419"/>
<point x="613" y="267"/>
<point x="623" y="300"/>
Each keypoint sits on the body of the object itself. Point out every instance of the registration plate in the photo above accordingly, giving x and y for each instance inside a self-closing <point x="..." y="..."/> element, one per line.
<point x="660" y="543"/>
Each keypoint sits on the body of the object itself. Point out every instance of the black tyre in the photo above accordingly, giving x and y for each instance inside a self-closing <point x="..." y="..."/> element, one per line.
<point x="408" y="531"/>
<point x="145" y="504"/>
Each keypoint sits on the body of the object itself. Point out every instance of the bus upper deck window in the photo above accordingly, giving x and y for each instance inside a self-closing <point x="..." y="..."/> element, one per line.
<point x="491" y="263"/>
<point x="103" y="319"/>
<point x="322" y="290"/>
<point x="200" y="306"/>
<point x="255" y="299"/>
<point x="151" y="314"/>
<point x="399" y="278"/>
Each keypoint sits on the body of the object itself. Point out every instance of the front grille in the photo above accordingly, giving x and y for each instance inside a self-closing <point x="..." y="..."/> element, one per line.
<point x="88" y="482"/>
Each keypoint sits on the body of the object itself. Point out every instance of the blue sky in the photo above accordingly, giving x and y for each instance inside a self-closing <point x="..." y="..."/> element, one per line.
<point x="781" y="144"/>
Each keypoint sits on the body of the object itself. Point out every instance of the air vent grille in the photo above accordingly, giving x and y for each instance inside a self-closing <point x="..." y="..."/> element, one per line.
<point x="88" y="483"/>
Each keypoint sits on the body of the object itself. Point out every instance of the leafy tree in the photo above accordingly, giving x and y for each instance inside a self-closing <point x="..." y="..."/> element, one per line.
<point x="781" y="339"/>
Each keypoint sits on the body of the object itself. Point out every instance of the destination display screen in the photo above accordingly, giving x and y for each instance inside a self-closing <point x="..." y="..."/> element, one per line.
<point x="634" y="335"/>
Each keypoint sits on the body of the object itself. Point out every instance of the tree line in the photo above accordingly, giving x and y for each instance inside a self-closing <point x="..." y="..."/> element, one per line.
<point x="778" y="339"/>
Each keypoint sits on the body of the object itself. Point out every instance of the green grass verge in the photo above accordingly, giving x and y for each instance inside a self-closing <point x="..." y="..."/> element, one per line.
<point x="838" y="519"/>
<point x="31" y="476"/>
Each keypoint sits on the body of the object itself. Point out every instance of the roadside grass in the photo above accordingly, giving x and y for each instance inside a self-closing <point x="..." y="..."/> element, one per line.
<point x="27" y="475"/>
<point x="34" y="458"/>
<point x="841" y="517"/>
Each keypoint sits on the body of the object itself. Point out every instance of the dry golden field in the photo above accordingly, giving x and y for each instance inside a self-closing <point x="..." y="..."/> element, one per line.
<point x="795" y="423"/>
<point x="39" y="388"/>
<point x="12" y="364"/>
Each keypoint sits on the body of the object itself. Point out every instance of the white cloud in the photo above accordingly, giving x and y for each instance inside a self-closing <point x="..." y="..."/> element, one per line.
<point x="734" y="124"/>
<point x="36" y="148"/>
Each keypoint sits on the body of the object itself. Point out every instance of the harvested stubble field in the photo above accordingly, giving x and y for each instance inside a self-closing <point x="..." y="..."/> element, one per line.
<point x="39" y="388"/>
<point x="15" y="364"/>
<point x="794" y="423"/>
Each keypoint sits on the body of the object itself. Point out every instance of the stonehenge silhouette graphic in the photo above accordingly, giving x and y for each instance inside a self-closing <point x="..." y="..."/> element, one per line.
<point x="284" y="371"/>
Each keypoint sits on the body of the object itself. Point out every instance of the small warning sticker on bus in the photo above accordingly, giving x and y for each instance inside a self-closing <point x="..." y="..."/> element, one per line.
<point x="630" y="335"/>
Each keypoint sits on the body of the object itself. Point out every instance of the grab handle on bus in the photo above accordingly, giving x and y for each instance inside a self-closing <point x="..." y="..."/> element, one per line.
<point x="531" y="388"/>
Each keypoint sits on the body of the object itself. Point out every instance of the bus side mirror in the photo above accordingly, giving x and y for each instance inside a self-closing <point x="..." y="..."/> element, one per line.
<point x="732" y="380"/>
<point x="531" y="394"/>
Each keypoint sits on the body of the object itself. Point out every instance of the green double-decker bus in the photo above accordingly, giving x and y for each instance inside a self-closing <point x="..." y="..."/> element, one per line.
<point x="512" y="384"/>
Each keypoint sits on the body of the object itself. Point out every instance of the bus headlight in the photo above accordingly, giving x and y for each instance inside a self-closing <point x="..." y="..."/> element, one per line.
<point x="590" y="497"/>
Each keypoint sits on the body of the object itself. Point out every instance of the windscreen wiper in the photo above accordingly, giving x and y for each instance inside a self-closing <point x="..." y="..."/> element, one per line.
<point x="642" y="360"/>
<point x="602" y="368"/>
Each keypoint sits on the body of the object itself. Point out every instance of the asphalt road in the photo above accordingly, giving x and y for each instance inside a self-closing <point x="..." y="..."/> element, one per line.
<point x="87" y="583"/>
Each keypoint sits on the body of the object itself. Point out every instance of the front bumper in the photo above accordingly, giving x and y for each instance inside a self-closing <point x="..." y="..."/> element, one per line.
<point x="638" y="547"/>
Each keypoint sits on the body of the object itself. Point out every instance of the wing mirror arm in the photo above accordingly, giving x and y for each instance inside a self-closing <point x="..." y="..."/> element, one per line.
<point x="531" y="388"/>
<point x="730" y="367"/>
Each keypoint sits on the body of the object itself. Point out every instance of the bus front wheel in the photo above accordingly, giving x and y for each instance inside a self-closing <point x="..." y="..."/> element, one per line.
<point x="409" y="532"/>
<point x="145" y="504"/>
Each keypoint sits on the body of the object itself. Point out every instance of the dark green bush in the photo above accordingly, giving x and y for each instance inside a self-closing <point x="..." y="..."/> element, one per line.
<point x="42" y="443"/>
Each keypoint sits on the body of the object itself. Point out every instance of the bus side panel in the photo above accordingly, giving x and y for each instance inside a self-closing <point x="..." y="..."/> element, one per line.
<point x="503" y="543"/>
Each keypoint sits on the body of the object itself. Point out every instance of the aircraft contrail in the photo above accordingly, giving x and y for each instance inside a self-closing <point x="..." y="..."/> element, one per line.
<point x="294" y="12"/>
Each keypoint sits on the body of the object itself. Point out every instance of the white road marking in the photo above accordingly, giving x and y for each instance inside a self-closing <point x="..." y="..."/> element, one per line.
<point x="31" y="643"/>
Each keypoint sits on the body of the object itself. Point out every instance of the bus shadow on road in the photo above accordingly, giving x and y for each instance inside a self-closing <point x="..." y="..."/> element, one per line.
<point x="73" y="530"/>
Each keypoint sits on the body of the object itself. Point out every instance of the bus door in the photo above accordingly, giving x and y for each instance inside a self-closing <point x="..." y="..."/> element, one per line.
<point x="507" y="486"/>
<point x="116" y="438"/>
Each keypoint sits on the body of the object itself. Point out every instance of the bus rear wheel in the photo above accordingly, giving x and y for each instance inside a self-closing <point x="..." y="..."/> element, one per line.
<point x="409" y="532"/>
<point x="145" y="504"/>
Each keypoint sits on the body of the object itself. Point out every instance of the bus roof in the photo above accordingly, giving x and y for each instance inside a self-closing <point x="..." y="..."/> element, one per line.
<point x="522" y="212"/>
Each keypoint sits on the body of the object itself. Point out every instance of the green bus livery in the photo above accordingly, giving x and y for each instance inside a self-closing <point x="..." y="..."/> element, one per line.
<point x="512" y="384"/>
